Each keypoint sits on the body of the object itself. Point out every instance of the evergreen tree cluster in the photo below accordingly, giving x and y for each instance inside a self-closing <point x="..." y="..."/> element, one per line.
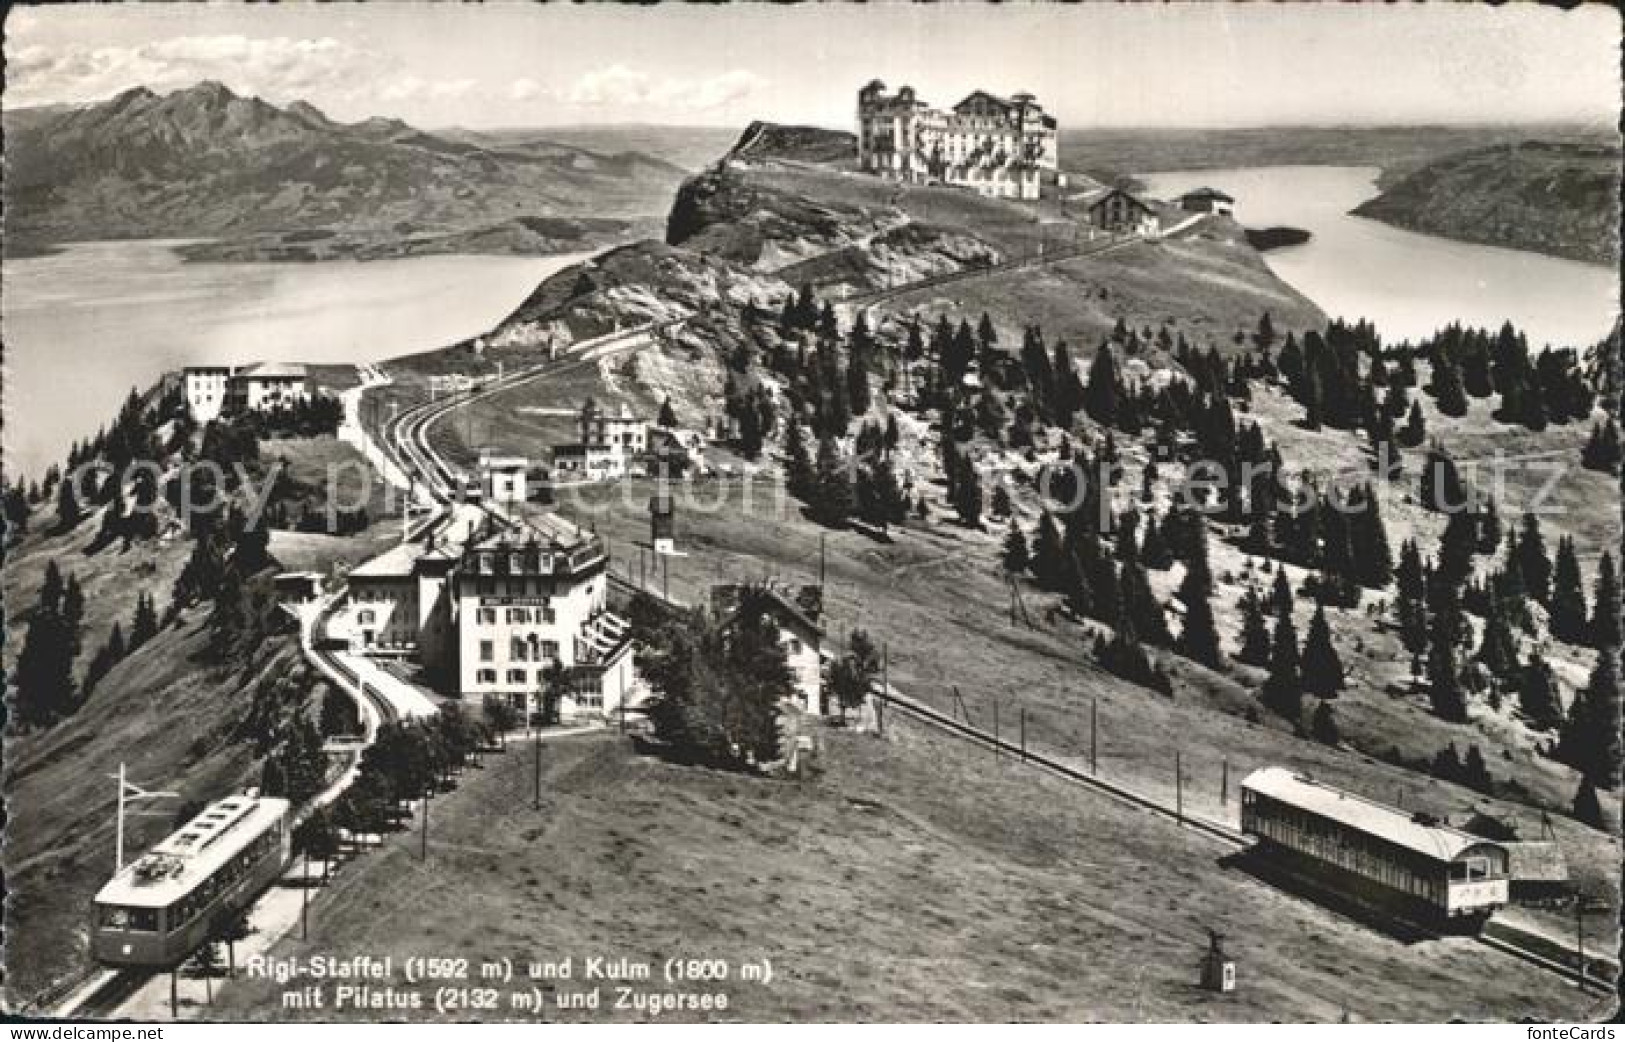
<point x="1535" y="390"/>
<point x="43" y="669"/>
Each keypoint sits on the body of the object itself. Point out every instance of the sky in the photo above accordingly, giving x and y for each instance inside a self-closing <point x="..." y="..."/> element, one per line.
<point x="512" y="65"/>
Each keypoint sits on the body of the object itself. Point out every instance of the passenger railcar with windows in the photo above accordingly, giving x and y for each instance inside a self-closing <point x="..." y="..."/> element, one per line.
<point x="159" y="908"/>
<point x="1408" y="863"/>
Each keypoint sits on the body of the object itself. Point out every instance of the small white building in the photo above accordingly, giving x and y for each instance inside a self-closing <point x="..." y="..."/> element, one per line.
<point x="610" y="444"/>
<point x="268" y="385"/>
<point x="503" y="478"/>
<point x="1208" y="200"/>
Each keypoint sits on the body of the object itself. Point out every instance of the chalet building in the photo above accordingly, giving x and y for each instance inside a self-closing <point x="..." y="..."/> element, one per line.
<point x="999" y="147"/>
<point x="213" y="389"/>
<point x="1208" y="200"/>
<point x="1116" y="211"/>
<point x="486" y="603"/>
<point x="797" y="610"/>
<point x="609" y="447"/>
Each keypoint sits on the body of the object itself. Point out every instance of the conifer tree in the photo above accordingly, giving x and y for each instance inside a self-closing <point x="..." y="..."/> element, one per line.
<point x="1537" y="695"/>
<point x="1255" y="632"/>
<point x="833" y="500"/>
<point x="1532" y="560"/>
<point x="106" y="657"/>
<point x="1283" y="689"/>
<point x="1449" y="397"/>
<point x="1154" y="552"/>
<point x="1415" y="430"/>
<point x="1587" y="807"/>
<point x="668" y="416"/>
<point x="68" y="511"/>
<point x="1322" y="669"/>
<point x="1101" y="394"/>
<point x="1015" y="556"/>
<point x="1049" y="556"/>
<point x="1141" y="607"/>
<point x="1497" y="650"/>
<point x="1602" y="451"/>
<point x="1568" y="604"/>
<point x="800" y="477"/>
<point x="1199" y="639"/>
<point x="1323" y="725"/>
<point x="43" y="670"/>
<point x="1281" y="595"/>
<point x="145" y="625"/>
<point x="1444" y="633"/>
<point x="1590" y="740"/>
<point x="1605" y="621"/>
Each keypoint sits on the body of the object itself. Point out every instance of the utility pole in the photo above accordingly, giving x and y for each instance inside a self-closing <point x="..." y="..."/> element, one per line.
<point x="1179" y="789"/>
<point x="537" y="770"/>
<point x="1224" y="782"/>
<point x="304" y="898"/>
<point x="995" y="727"/>
<point x="128" y="791"/>
<point x="1023" y="734"/>
<point x="885" y="693"/>
<point x="423" y="846"/>
<point x="1094" y="710"/>
<point x="821" y="561"/>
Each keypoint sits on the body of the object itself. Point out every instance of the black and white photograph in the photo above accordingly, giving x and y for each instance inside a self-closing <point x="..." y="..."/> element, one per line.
<point x="937" y="513"/>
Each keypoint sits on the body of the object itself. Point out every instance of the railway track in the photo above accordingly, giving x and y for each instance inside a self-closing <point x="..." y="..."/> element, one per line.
<point x="1506" y="945"/>
<point x="1219" y="832"/>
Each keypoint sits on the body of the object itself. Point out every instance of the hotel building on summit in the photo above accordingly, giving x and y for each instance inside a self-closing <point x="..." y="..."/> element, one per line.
<point x="997" y="146"/>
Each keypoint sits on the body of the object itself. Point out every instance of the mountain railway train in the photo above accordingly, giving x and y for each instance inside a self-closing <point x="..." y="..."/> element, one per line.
<point x="1410" y="864"/>
<point x="161" y="907"/>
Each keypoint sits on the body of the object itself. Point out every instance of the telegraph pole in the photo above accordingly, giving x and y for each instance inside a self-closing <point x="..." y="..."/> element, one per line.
<point x="537" y="805"/>
<point x="423" y="846"/>
<point x="1023" y="735"/>
<point x="1179" y="789"/>
<point x="1094" y="709"/>
<point x="128" y="791"/>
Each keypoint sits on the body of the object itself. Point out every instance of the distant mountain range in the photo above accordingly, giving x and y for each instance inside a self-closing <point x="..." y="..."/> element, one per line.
<point x="273" y="182"/>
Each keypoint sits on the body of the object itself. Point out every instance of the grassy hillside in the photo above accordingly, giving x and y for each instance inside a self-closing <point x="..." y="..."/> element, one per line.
<point x="169" y="717"/>
<point x="913" y="880"/>
<point x="1551" y="198"/>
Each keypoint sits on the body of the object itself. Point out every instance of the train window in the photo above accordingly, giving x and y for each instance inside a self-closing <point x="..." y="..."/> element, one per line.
<point x="119" y="917"/>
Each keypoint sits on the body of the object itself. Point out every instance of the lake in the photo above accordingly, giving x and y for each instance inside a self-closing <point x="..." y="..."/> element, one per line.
<point x="85" y="325"/>
<point x="1407" y="284"/>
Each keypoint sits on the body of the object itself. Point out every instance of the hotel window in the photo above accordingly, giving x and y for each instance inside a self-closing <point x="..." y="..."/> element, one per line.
<point x="517" y="650"/>
<point x="485" y="676"/>
<point x="519" y="615"/>
<point x="485" y="615"/>
<point x="487" y="651"/>
<point x="548" y="617"/>
<point x="517" y="676"/>
<point x="550" y="649"/>
<point x="365" y="618"/>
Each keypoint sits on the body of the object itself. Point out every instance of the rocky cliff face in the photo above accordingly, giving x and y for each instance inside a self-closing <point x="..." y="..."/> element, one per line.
<point x="1559" y="199"/>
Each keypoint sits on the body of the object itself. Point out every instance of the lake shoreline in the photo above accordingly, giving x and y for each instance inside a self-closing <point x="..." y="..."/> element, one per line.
<point x="1408" y="284"/>
<point x="127" y="311"/>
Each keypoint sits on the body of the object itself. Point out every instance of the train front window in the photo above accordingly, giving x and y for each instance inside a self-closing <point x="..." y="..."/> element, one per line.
<point x="120" y="917"/>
